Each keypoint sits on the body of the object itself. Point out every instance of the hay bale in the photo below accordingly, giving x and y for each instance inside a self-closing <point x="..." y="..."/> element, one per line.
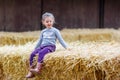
<point x="86" y="61"/>
<point x="18" y="38"/>
<point x="86" y="35"/>
<point x="14" y="61"/>
<point x="116" y="35"/>
<point x="1" y="70"/>
<point x="70" y="35"/>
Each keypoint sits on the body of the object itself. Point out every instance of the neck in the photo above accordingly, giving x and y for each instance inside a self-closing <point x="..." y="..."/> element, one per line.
<point x="49" y="27"/>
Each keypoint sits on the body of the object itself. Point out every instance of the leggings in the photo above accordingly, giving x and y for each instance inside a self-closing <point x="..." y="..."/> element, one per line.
<point x="41" y="51"/>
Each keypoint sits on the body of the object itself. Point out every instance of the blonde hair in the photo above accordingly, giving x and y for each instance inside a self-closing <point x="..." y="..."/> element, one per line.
<point x="47" y="14"/>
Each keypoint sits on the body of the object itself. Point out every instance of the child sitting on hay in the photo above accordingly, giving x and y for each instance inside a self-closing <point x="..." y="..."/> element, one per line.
<point x="46" y="43"/>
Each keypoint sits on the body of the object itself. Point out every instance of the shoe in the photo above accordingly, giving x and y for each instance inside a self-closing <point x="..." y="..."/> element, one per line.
<point x="37" y="69"/>
<point x="30" y="75"/>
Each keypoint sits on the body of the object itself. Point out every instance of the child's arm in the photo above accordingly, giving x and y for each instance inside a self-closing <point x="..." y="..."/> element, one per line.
<point x="60" y="39"/>
<point x="39" y="41"/>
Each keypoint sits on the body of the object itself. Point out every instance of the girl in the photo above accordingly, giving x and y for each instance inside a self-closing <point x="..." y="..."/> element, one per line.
<point x="46" y="43"/>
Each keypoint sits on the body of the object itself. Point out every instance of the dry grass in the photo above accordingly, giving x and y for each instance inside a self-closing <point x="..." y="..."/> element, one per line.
<point x="14" y="61"/>
<point x="70" y="35"/>
<point x="95" y="55"/>
<point x="15" y="38"/>
<point x="116" y="35"/>
<point x="88" y="34"/>
<point x="86" y="61"/>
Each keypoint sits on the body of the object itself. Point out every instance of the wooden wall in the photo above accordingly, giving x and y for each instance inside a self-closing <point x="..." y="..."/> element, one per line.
<point x="25" y="15"/>
<point x="20" y="15"/>
<point x="112" y="14"/>
<point x="2" y="15"/>
<point x="74" y="13"/>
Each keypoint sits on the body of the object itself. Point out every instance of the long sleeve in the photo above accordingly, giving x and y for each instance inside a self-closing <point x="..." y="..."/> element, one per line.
<point x="60" y="39"/>
<point x="39" y="41"/>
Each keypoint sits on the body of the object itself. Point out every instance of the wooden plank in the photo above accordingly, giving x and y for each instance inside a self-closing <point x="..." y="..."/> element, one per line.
<point x="2" y="15"/>
<point x="9" y="15"/>
<point x="112" y="14"/>
<point x="101" y="13"/>
<point x="74" y="13"/>
<point x="23" y="15"/>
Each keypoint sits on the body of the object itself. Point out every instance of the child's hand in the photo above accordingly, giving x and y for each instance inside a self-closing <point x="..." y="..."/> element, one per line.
<point x="69" y="49"/>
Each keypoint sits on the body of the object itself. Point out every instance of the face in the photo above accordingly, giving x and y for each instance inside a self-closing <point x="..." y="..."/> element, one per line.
<point x="48" y="22"/>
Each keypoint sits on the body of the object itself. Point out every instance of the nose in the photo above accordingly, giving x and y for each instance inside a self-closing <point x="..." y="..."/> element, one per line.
<point x="49" y="22"/>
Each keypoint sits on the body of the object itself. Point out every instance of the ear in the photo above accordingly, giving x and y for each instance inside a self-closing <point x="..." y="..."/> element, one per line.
<point x="42" y="21"/>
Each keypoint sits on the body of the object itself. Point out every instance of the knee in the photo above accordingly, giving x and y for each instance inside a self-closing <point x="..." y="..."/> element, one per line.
<point x="32" y="54"/>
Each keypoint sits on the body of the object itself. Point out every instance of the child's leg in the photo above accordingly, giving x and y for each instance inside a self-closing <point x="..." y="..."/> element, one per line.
<point x="30" y="74"/>
<point x="33" y="54"/>
<point x="44" y="51"/>
<point x="41" y="55"/>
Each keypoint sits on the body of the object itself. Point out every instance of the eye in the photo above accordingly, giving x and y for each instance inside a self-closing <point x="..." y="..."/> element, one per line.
<point x="47" y="21"/>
